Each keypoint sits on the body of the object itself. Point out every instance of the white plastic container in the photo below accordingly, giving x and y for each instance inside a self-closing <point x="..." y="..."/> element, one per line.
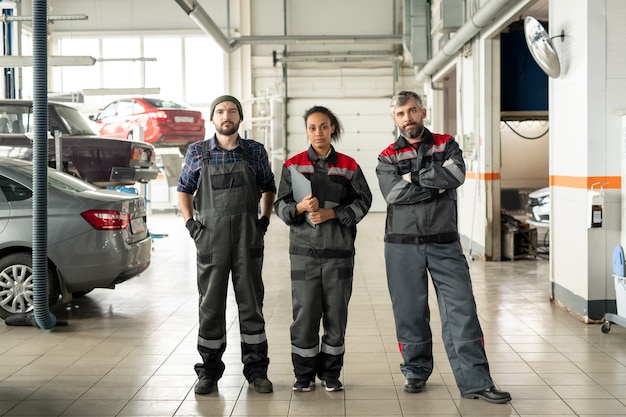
<point x="620" y="294"/>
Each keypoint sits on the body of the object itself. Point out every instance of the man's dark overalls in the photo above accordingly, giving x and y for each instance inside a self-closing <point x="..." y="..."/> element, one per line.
<point x="226" y="203"/>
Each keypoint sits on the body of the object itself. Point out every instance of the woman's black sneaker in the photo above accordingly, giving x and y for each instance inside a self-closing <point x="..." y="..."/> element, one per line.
<point x="332" y="384"/>
<point x="303" y="385"/>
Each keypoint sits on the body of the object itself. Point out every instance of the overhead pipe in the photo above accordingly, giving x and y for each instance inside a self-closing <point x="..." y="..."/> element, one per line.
<point x="342" y="59"/>
<point x="286" y="89"/>
<point x="204" y="22"/>
<point x="347" y="53"/>
<point x="395" y="63"/>
<point x="325" y="56"/>
<point x="477" y="22"/>
<point x="318" y="39"/>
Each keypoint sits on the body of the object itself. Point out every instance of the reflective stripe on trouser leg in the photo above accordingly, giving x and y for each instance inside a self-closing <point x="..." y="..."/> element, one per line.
<point x="461" y="331"/>
<point x="337" y="282"/>
<point x="320" y="288"/>
<point x="408" y="287"/>
<point x="249" y="292"/>
<point x="306" y="300"/>
<point x="304" y="361"/>
<point x="254" y="356"/>
<point x="212" y="289"/>
<point x="214" y="268"/>
<point x="212" y="365"/>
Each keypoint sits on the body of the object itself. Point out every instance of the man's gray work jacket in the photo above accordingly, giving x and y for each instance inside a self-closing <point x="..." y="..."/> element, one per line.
<point x="419" y="186"/>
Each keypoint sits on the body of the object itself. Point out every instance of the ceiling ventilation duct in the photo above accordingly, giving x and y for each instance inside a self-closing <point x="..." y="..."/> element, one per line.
<point x="491" y="10"/>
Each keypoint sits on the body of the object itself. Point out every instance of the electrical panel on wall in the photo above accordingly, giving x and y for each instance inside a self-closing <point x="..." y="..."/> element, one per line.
<point x="468" y="144"/>
<point x="416" y="36"/>
<point x="451" y="15"/>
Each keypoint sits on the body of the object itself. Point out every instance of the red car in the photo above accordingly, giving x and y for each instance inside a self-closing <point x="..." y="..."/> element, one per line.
<point x="165" y="123"/>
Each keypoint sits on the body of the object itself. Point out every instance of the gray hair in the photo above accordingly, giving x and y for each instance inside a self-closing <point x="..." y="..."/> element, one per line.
<point x="401" y="98"/>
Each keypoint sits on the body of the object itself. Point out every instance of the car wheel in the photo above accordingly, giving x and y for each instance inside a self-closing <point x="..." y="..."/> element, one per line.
<point x="183" y="149"/>
<point x="17" y="286"/>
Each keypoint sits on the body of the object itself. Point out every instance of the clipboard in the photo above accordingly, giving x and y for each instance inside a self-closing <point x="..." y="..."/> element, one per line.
<point x="300" y="187"/>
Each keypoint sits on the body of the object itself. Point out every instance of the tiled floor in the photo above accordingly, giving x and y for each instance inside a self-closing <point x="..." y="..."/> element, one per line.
<point x="131" y="351"/>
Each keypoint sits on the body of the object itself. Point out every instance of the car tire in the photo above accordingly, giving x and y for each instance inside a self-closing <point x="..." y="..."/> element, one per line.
<point x="16" y="285"/>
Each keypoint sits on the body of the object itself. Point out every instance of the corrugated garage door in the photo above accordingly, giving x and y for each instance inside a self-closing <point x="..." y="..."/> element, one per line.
<point x="368" y="128"/>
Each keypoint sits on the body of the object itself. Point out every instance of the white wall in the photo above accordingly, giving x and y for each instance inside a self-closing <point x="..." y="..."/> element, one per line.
<point x="586" y="147"/>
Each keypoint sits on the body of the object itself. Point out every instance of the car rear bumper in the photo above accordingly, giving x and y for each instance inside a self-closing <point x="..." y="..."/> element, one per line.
<point x="104" y="262"/>
<point x="131" y="175"/>
<point x="177" y="140"/>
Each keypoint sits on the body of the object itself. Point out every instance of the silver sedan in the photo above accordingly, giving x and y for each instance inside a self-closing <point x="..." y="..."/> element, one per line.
<point x="97" y="238"/>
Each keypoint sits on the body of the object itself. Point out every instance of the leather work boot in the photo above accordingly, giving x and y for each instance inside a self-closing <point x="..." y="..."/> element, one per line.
<point x="262" y="385"/>
<point x="491" y="395"/>
<point x="204" y="386"/>
<point x="414" y="385"/>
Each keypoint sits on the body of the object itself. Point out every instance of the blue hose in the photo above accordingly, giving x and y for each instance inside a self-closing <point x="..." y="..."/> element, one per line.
<point x="43" y="317"/>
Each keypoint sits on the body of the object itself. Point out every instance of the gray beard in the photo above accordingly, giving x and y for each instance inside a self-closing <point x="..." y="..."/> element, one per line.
<point x="413" y="133"/>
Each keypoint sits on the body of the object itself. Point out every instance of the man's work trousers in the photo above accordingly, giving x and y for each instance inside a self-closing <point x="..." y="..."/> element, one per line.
<point x="407" y="278"/>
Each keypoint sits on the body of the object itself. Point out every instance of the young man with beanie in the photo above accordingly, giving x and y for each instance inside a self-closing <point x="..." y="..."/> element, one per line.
<point x="223" y="180"/>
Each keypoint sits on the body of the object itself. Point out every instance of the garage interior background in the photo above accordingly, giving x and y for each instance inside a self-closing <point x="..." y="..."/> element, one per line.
<point x="298" y="53"/>
<point x="281" y="57"/>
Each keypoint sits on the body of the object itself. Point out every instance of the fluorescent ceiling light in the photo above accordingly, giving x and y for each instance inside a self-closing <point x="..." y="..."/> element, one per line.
<point x="120" y="91"/>
<point x="126" y="59"/>
<point x="49" y="18"/>
<point x="11" y="61"/>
